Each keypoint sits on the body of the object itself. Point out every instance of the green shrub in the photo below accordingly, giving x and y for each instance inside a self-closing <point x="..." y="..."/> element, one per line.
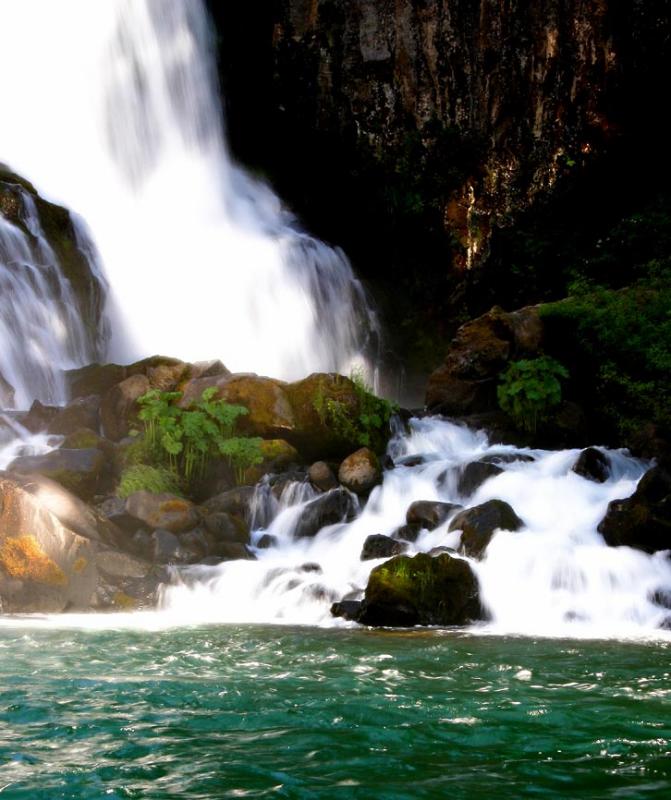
<point x="142" y="477"/>
<point x="188" y="438"/>
<point x="529" y="389"/>
<point x="368" y="425"/>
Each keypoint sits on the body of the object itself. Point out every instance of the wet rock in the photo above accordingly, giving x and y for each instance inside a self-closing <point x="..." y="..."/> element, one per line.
<point x="593" y="465"/>
<point x="266" y="541"/>
<point x="360" y="471"/>
<point x="407" y="533"/>
<point x="234" y="551"/>
<point x="44" y="565"/>
<point x="507" y="458"/>
<point x="429" y="514"/>
<point x="643" y="520"/>
<point x="166" y="548"/>
<point x="39" y="416"/>
<point x="286" y="482"/>
<point x="115" y="564"/>
<point x="474" y="475"/>
<point x="347" y="609"/>
<point x="7" y="393"/>
<point x="477" y="525"/>
<point x="322" y="477"/>
<point x="79" y="471"/>
<point x="421" y="590"/>
<point x="94" y="379"/>
<point x="84" y="412"/>
<point x="379" y="546"/>
<point x="328" y="509"/>
<point x="277" y="455"/>
<point x="311" y="566"/>
<point x="166" y="511"/>
<point x="119" y="408"/>
<point x="225" y="527"/>
<point x="235" y="501"/>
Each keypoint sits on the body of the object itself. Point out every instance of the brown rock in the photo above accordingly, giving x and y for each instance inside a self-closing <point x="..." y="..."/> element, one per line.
<point x="321" y="476"/>
<point x="360" y="471"/>
<point x="164" y="511"/>
<point x="119" y="409"/>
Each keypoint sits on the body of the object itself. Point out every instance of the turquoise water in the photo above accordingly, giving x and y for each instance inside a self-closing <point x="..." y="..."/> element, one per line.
<point x="240" y="711"/>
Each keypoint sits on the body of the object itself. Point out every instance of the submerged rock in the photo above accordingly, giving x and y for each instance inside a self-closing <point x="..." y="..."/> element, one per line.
<point x="328" y="509"/>
<point x="593" y="465"/>
<point x="360" y="471"/>
<point x="643" y="520"/>
<point x="422" y="590"/>
<point x="477" y="525"/>
<point x="428" y="514"/>
<point x="379" y="546"/>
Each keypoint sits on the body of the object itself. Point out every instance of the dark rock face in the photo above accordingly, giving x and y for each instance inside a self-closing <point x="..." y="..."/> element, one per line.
<point x="328" y="509"/>
<point x="428" y="514"/>
<point x="79" y="471"/>
<point x="379" y="546"/>
<point x="593" y="465"/>
<point x="421" y="591"/>
<point x="478" y="524"/>
<point x="643" y="520"/>
<point x="119" y="408"/>
<point x="474" y="475"/>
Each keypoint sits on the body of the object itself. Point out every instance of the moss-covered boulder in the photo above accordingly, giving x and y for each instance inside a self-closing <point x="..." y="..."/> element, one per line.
<point x="478" y="524"/>
<point x="422" y="590"/>
<point x="79" y="471"/>
<point x="278" y="455"/>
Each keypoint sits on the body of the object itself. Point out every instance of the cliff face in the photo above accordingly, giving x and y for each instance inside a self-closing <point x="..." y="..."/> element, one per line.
<point x="538" y="89"/>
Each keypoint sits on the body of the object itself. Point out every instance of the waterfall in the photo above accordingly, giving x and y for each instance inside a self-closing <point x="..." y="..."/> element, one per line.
<point x="112" y="109"/>
<point x="555" y="576"/>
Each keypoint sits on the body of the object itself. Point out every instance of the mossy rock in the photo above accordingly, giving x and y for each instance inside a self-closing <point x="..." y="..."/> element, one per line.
<point x="422" y="590"/>
<point x="79" y="471"/>
<point x="277" y="454"/>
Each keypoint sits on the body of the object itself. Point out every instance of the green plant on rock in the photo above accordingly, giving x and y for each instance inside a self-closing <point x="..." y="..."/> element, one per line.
<point x="188" y="438"/>
<point x="143" y="477"/>
<point x="367" y="424"/>
<point x="529" y="389"/>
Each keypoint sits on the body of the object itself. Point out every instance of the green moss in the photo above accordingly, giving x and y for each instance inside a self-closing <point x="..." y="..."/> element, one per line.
<point x="142" y="477"/>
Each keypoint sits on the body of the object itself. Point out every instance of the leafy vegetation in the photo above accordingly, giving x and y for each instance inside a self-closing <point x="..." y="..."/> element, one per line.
<point x="530" y="389"/>
<point x="186" y="439"/>
<point x="143" y="477"/>
<point x="367" y="424"/>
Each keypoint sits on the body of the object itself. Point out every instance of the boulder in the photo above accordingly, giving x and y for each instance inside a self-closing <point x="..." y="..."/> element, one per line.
<point x="407" y="533"/>
<point x="79" y="471"/>
<point x="167" y="548"/>
<point x="94" y="379"/>
<point x="39" y="416"/>
<point x="227" y="528"/>
<point x="379" y="546"/>
<point x="266" y="541"/>
<point x="643" y="520"/>
<point x="477" y="525"/>
<point x="44" y="566"/>
<point x="360" y="471"/>
<point x="474" y="475"/>
<point x="330" y="508"/>
<point x="321" y="476"/>
<point x="119" y="408"/>
<point x="347" y="609"/>
<point x="166" y="511"/>
<point x="7" y="393"/>
<point x="84" y="412"/>
<point x="421" y="590"/>
<point x="233" y="501"/>
<point x="277" y="456"/>
<point x="593" y="465"/>
<point x="428" y="514"/>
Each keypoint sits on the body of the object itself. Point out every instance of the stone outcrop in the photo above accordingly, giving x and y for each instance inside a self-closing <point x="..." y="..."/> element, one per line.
<point x="478" y="525"/>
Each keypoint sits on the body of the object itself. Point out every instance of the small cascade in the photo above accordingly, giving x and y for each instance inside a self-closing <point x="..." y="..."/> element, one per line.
<point x="203" y="260"/>
<point x="555" y="576"/>
<point x="46" y="327"/>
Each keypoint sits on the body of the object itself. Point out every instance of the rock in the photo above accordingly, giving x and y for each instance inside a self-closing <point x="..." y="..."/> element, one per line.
<point x="234" y="551"/>
<point x="347" y="609"/>
<point x="7" y="393"/>
<point x="266" y="541"/>
<point x="94" y="379"/>
<point x="321" y="476"/>
<point x="379" y="546"/>
<point x="79" y="471"/>
<point x="507" y="458"/>
<point x="39" y="416"/>
<point x="166" y="547"/>
<point x="119" y="408"/>
<point x="166" y="511"/>
<point x="233" y="501"/>
<point x="331" y="508"/>
<point x="44" y="566"/>
<point x="120" y="565"/>
<point x="84" y="412"/>
<point x="643" y="520"/>
<point x="474" y="475"/>
<point x="360" y="471"/>
<point x="428" y="514"/>
<point x="270" y="414"/>
<point x="87" y="439"/>
<point x="421" y="591"/>
<point x="277" y="454"/>
<point x="407" y="533"/>
<point x="466" y="381"/>
<point x="227" y="528"/>
<point x="593" y="465"/>
<point x="477" y="525"/>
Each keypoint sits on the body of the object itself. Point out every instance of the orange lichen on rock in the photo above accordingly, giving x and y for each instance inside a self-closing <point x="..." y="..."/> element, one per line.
<point x="80" y="564"/>
<point x="22" y="558"/>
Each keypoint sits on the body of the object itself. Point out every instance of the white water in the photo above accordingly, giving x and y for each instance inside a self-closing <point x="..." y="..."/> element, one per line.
<point x="111" y="108"/>
<point x="555" y="577"/>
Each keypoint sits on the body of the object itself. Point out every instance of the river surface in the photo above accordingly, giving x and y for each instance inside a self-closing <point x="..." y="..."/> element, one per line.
<point x="301" y="712"/>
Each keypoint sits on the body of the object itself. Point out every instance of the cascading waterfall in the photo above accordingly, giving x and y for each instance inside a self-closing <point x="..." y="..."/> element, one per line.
<point x="556" y="576"/>
<point x="112" y="109"/>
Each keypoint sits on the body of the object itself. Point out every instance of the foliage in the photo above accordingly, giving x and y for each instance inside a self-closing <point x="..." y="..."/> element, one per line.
<point x="188" y="438"/>
<point x="529" y="389"/>
<point x="367" y="424"/>
<point x="143" y="477"/>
